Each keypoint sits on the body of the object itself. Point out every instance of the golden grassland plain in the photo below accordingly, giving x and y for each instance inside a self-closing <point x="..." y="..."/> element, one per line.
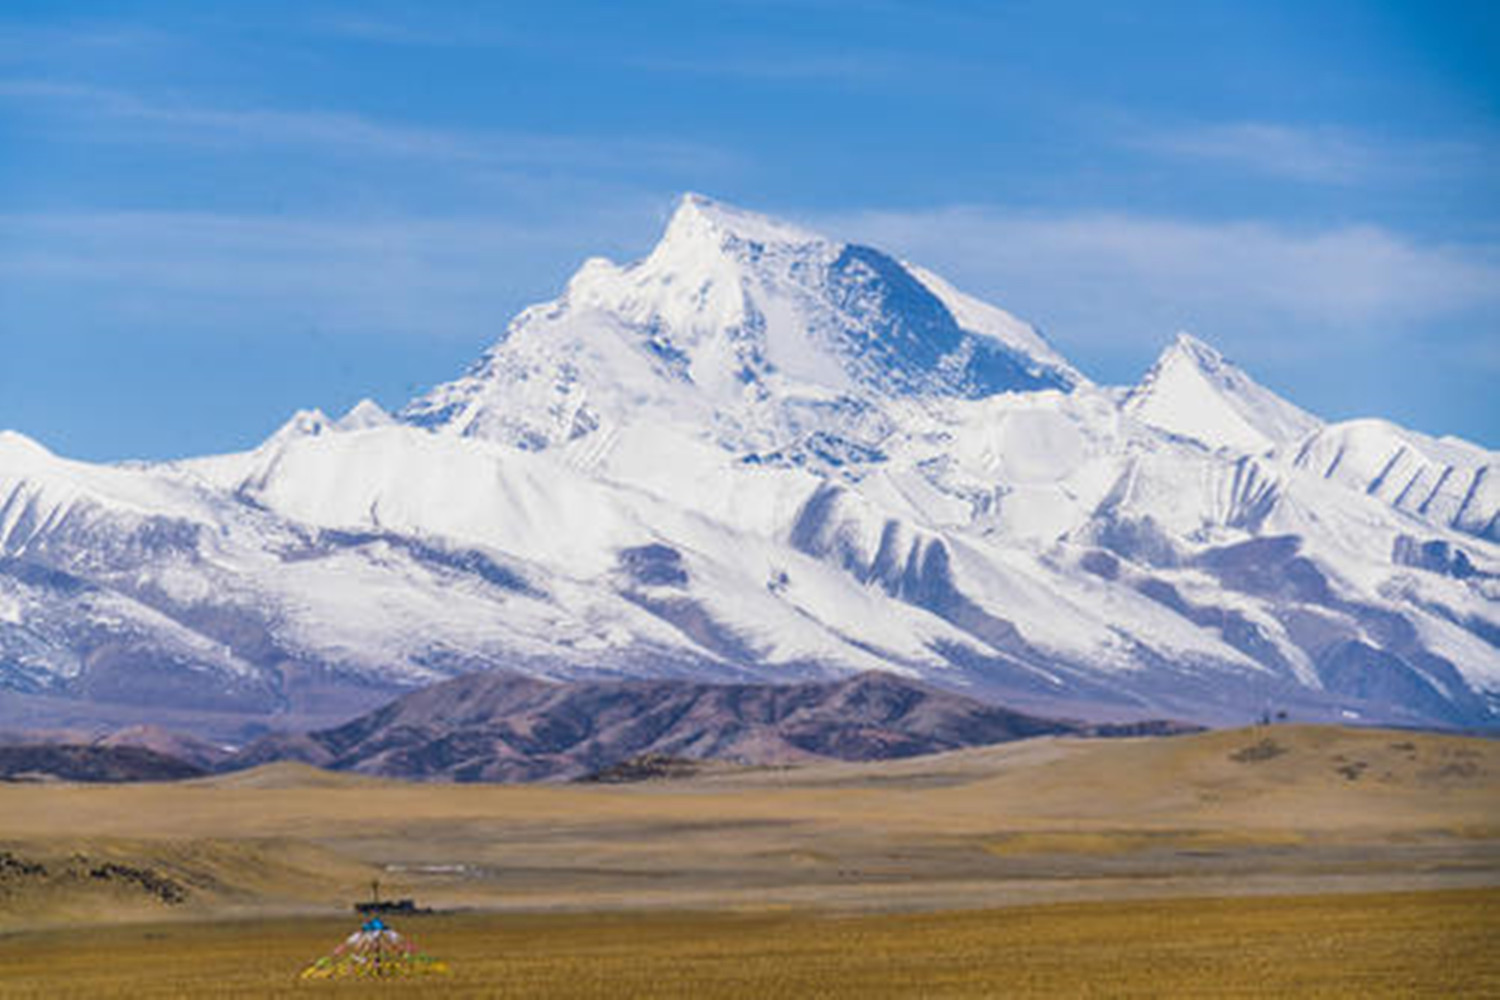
<point x="1285" y="809"/>
<point x="1426" y="944"/>
<point x="1237" y="857"/>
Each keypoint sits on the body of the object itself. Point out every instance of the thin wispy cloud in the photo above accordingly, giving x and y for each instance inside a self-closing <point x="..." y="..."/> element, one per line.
<point x="344" y="133"/>
<point x="777" y="67"/>
<point x="1101" y="282"/>
<point x="405" y="276"/>
<point x="1315" y="154"/>
<point x="769" y="60"/>
<point x="423" y="31"/>
<point x="1109" y="281"/>
<point x="33" y="43"/>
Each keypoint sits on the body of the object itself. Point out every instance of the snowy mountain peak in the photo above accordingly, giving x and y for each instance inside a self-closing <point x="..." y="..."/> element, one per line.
<point x="1195" y="392"/>
<point x="1187" y="347"/>
<point x="700" y="223"/>
<point x="695" y="282"/>
<point x="763" y="332"/>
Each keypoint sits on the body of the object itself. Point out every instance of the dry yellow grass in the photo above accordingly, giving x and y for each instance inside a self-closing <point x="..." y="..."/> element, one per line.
<point x="1275" y="810"/>
<point x="1121" y="842"/>
<point x="1439" y="944"/>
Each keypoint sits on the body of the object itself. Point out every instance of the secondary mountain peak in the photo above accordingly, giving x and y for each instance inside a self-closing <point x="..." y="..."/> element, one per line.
<point x="364" y="415"/>
<point x="1194" y="391"/>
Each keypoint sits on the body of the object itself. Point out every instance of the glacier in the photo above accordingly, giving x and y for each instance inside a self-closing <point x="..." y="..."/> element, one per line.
<point x="759" y="453"/>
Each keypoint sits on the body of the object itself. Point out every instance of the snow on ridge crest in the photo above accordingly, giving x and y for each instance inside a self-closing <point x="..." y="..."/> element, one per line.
<point x="18" y="442"/>
<point x="699" y="219"/>
<point x="697" y="279"/>
<point x="1202" y="352"/>
<point x="1445" y="481"/>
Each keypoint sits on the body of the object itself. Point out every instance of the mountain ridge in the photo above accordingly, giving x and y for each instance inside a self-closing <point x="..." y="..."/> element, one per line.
<point x="763" y="455"/>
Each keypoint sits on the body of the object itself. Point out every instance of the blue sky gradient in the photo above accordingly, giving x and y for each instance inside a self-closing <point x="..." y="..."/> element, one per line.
<point x="214" y="214"/>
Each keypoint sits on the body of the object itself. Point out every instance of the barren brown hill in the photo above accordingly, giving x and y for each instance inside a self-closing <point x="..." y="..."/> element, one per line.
<point x="506" y="727"/>
<point x="71" y="762"/>
<point x="197" y="752"/>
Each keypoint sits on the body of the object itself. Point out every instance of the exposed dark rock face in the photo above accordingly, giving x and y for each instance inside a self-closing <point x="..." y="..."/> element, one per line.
<point x="1272" y="567"/>
<point x="904" y="340"/>
<point x="1435" y="556"/>
<point x="1362" y="671"/>
<point x="654" y="565"/>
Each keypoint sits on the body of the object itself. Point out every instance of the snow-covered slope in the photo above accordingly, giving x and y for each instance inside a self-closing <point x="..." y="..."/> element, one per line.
<point x="1446" y="482"/>
<point x="761" y="453"/>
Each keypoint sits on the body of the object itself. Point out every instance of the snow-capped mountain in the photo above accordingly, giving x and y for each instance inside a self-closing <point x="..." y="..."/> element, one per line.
<point x="761" y="453"/>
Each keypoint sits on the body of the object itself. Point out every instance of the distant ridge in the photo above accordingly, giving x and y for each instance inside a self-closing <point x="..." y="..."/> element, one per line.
<point x="71" y="762"/>
<point x="506" y="727"/>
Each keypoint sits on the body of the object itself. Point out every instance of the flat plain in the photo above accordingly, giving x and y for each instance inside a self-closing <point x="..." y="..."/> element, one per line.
<point x="1429" y="944"/>
<point x="1341" y="862"/>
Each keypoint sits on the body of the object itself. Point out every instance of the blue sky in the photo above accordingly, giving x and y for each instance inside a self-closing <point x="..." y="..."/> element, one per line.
<point x="214" y="214"/>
